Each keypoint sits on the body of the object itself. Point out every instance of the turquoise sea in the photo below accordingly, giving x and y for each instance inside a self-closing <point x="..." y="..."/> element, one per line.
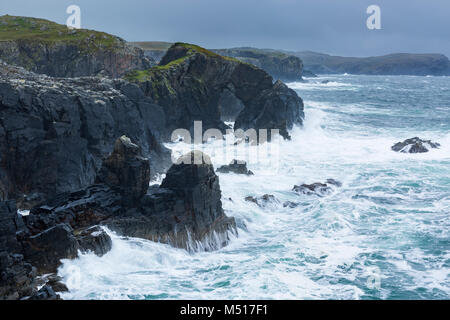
<point x="384" y="234"/>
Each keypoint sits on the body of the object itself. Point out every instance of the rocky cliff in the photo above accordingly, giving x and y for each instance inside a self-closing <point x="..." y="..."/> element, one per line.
<point x="393" y="64"/>
<point x="49" y="48"/>
<point x="189" y="83"/>
<point x="54" y="133"/>
<point x="278" y="64"/>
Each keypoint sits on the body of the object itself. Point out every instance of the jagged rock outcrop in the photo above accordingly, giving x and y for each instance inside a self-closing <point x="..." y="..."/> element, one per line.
<point x="126" y="169"/>
<point x="54" y="133"/>
<point x="185" y="211"/>
<point x="189" y="83"/>
<point x="276" y="108"/>
<point x="49" y="48"/>
<point x="279" y="65"/>
<point x="415" y="145"/>
<point x="235" y="166"/>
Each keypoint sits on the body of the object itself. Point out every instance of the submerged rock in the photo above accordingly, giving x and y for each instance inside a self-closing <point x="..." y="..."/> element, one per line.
<point x="290" y="204"/>
<point x="320" y="189"/>
<point x="414" y="145"/>
<point x="236" y="166"/>
<point x="263" y="200"/>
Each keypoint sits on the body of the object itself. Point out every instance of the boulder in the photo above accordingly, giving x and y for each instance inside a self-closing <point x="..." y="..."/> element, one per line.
<point x="415" y="145"/>
<point x="55" y="282"/>
<point x="45" y="293"/>
<point x="94" y="239"/>
<point x="278" y="107"/>
<point x="235" y="166"/>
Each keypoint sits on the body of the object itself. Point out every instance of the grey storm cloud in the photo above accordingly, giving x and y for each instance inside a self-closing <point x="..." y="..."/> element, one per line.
<point x="330" y="26"/>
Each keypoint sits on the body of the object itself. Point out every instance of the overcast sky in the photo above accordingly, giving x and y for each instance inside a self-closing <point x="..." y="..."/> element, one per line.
<point x="330" y="26"/>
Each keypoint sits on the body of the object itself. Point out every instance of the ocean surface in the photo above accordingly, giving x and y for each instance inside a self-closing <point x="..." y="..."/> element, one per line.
<point x="384" y="234"/>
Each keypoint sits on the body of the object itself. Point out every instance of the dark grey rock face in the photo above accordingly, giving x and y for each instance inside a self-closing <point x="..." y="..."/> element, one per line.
<point x="236" y="166"/>
<point x="54" y="133"/>
<point x="67" y="60"/>
<point x="126" y="169"/>
<point x="279" y="65"/>
<point x="46" y="249"/>
<point x="229" y="105"/>
<point x="94" y="239"/>
<point x="275" y="108"/>
<point x="16" y="275"/>
<point x="415" y="145"/>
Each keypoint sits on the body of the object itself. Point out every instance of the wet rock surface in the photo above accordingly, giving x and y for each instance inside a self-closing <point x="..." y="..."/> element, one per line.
<point x="263" y="200"/>
<point x="415" y="145"/>
<point x="317" y="188"/>
<point x="94" y="239"/>
<point x="237" y="167"/>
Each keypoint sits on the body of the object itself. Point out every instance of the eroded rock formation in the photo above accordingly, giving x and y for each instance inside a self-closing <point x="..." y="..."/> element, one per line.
<point x="190" y="81"/>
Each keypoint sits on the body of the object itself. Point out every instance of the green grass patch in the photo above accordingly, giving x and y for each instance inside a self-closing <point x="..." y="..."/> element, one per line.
<point x="14" y="28"/>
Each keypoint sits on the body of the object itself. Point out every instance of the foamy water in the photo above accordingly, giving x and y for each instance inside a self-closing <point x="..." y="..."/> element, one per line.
<point x="383" y="235"/>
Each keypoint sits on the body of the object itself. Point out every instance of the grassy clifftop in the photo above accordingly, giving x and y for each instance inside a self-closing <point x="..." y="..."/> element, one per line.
<point x="184" y="50"/>
<point x="13" y="28"/>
